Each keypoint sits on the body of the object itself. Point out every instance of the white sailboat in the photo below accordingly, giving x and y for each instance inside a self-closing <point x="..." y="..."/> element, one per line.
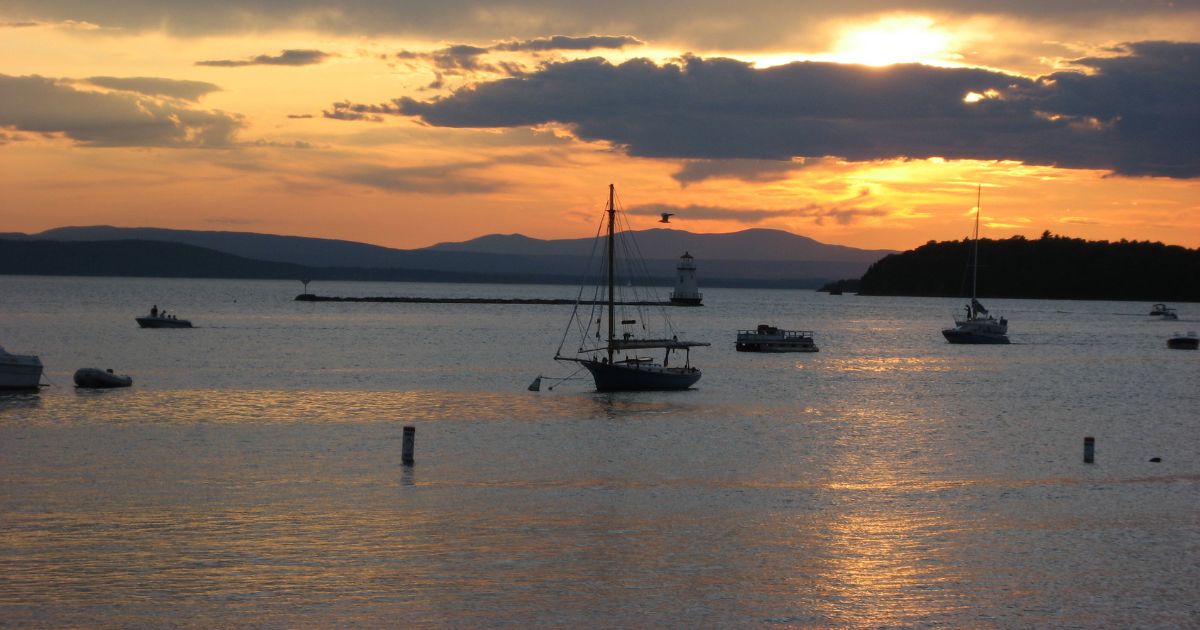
<point x="612" y="358"/>
<point x="979" y="326"/>
<point x="19" y="371"/>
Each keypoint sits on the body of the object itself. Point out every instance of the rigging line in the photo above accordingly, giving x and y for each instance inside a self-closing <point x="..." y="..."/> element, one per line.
<point x="640" y="258"/>
<point x="579" y="296"/>
<point x="651" y="290"/>
<point x="597" y="274"/>
<point x="565" y="378"/>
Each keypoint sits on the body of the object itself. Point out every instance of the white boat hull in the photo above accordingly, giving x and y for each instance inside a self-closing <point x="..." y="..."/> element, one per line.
<point x="978" y="330"/>
<point x="780" y="346"/>
<point x="767" y="338"/>
<point x="20" y="372"/>
<point x="1184" y="342"/>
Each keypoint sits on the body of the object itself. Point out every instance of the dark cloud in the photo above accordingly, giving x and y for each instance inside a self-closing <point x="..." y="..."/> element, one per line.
<point x="153" y="86"/>
<point x="694" y="171"/>
<point x="346" y="110"/>
<point x="70" y="25"/>
<point x="458" y="57"/>
<point x="41" y="105"/>
<point x="842" y="214"/>
<point x="545" y="142"/>
<point x="294" y="144"/>
<point x="1135" y="113"/>
<point x="285" y="58"/>
<point x="300" y="116"/>
<point x="465" y="60"/>
<point x="563" y="42"/>
<point x="739" y="215"/>
<point x="711" y="24"/>
<point x="446" y="179"/>
<point x="1145" y="102"/>
<point x="6" y="137"/>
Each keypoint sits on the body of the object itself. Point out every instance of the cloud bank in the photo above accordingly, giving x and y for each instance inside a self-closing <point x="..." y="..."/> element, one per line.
<point x="694" y="171"/>
<point x="749" y="24"/>
<point x="285" y="58"/>
<point x="845" y="212"/>
<point x="154" y="86"/>
<point x="466" y="59"/>
<point x="1134" y="113"/>
<point x="41" y="105"/>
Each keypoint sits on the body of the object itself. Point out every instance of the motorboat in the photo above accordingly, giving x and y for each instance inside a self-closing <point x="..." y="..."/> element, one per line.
<point x="19" y="371"/>
<point x="979" y="326"/>
<point x="162" y="321"/>
<point x="1169" y="314"/>
<point x="612" y="358"/>
<point x="767" y="338"/>
<point x="1158" y="309"/>
<point x="96" y="378"/>
<point x="1190" y="341"/>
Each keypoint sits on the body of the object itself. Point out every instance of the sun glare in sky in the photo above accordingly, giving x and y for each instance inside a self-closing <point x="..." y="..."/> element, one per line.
<point x="894" y="39"/>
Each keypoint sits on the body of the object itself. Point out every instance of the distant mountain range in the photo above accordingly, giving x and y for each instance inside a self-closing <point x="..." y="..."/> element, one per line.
<point x="159" y="259"/>
<point x="754" y="257"/>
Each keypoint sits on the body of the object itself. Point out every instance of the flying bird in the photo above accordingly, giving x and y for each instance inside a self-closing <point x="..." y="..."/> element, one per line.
<point x="666" y="217"/>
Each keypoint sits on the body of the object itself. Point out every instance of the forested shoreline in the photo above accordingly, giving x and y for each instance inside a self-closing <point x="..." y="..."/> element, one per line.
<point x="1050" y="267"/>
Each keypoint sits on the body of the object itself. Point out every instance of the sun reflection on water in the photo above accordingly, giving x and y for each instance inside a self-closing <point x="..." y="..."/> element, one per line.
<point x="887" y="569"/>
<point x="891" y="364"/>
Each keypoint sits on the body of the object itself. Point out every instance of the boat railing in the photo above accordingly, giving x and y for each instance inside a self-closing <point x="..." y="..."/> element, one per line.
<point x="780" y="334"/>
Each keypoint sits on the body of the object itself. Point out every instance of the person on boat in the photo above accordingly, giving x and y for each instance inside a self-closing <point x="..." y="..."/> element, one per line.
<point x="154" y="311"/>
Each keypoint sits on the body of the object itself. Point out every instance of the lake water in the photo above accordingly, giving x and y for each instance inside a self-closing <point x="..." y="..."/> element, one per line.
<point x="252" y="476"/>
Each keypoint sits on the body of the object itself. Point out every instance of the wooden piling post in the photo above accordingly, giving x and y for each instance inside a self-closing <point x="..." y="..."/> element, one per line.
<point x="410" y="439"/>
<point x="1089" y="450"/>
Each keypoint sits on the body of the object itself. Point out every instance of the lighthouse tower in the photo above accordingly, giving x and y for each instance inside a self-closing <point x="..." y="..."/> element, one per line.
<point x="686" y="292"/>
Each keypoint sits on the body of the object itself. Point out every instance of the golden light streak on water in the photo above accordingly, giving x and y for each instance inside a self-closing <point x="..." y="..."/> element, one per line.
<point x="891" y="557"/>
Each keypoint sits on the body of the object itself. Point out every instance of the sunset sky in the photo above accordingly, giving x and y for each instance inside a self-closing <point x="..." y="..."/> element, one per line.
<point x="406" y="124"/>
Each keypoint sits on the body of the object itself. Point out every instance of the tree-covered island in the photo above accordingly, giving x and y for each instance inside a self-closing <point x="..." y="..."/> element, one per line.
<point x="1050" y="267"/>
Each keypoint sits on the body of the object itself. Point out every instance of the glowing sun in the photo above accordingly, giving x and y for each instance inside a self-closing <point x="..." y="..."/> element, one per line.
<point x="894" y="39"/>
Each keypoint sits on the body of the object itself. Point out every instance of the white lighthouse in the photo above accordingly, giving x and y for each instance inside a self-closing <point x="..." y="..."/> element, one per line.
<point x="686" y="292"/>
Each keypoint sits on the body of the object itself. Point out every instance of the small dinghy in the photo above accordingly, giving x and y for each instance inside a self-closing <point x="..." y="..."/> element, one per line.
<point x="97" y="378"/>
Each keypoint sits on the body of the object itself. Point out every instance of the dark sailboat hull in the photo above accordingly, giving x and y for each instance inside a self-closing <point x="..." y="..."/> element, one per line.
<point x="631" y="378"/>
<point x="954" y="335"/>
<point x="163" y="322"/>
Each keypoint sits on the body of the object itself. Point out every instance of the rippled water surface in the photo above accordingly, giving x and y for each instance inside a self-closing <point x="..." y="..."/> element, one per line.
<point x="251" y="476"/>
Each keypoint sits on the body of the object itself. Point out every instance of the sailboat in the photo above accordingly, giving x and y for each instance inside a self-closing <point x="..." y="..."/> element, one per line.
<point x="979" y="326"/>
<point x="612" y="358"/>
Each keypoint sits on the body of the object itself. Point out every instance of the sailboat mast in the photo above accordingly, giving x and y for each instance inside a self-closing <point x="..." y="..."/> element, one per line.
<point x="975" y="266"/>
<point x="612" y="219"/>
